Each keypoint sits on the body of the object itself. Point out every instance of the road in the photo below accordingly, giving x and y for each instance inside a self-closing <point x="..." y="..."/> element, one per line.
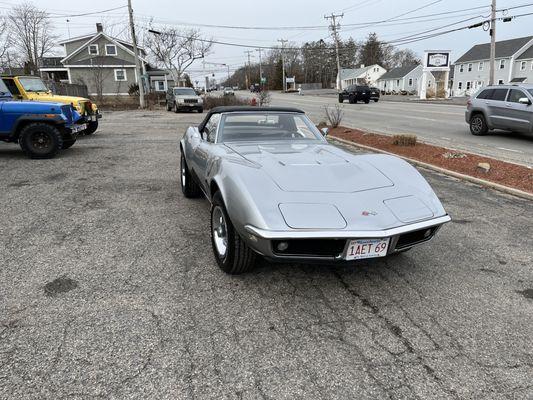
<point x="109" y="290"/>
<point x="439" y="124"/>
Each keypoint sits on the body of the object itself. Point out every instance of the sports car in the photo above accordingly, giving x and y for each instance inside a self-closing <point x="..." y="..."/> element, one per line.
<point x="279" y="190"/>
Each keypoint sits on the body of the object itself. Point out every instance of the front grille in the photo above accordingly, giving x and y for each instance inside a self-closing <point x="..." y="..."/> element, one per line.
<point x="411" y="238"/>
<point x="190" y="101"/>
<point x="310" y="247"/>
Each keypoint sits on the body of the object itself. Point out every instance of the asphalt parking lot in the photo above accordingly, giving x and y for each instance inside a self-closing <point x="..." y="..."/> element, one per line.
<point x="108" y="289"/>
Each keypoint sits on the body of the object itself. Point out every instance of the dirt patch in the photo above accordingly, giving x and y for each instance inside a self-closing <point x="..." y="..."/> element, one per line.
<point x="60" y="285"/>
<point x="501" y="172"/>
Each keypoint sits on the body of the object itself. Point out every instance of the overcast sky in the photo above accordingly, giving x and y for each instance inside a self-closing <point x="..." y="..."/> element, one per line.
<point x="276" y="13"/>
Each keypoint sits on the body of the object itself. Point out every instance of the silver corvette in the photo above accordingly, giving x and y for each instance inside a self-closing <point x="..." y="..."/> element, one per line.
<point x="279" y="190"/>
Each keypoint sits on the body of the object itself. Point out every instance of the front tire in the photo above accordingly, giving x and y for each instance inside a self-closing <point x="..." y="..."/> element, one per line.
<point x="189" y="187"/>
<point x="478" y="125"/>
<point x="232" y="254"/>
<point x="176" y="108"/>
<point x="39" y="140"/>
<point x="352" y="100"/>
<point x="68" y="142"/>
<point x="200" y="110"/>
<point x="341" y="99"/>
<point x="168" y="106"/>
<point x="91" y="128"/>
<point x="367" y="101"/>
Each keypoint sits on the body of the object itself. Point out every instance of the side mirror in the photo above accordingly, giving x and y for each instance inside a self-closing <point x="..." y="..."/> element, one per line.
<point x="324" y="131"/>
<point x="524" y="100"/>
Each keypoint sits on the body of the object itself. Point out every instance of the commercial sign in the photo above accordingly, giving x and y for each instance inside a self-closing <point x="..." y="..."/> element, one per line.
<point x="437" y="59"/>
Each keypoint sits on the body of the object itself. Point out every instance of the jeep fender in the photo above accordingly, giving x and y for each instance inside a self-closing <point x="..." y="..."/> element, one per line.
<point x="56" y="120"/>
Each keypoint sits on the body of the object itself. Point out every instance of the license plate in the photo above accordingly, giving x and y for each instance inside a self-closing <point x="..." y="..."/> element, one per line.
<point x="78" y="128"/>
<point x="367" y="248"/>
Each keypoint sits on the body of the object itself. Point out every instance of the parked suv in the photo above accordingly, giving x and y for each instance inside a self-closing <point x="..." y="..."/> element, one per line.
<point x="374" y="94"/>
<point x="507" y="107"/>
<point x="183" y="98"/>
<point x="40" y="128"/>
<point x="33" y="88"/>
<point x="355" y="93"/>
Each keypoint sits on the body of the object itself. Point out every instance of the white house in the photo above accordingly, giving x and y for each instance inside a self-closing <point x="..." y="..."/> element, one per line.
<point x="364" y="75"/>
<point x="513" y="64"/>
<point x="406" y="79"/>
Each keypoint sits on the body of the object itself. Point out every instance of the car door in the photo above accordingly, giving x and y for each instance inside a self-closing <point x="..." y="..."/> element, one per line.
<point x="518" y="115"/>
<point x="202" y="151"/>
<point x="497" y="109"/>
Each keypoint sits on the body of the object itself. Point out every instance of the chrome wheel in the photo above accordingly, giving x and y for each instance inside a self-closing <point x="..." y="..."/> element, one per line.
<point x="220" y="231"/>
<point x="476" y="124"/>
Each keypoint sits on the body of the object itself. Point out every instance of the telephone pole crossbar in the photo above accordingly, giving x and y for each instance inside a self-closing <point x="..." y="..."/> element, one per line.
<point x="335" y="27"/>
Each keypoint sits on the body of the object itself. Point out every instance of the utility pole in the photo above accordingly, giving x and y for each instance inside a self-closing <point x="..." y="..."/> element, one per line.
<point x="137" y="60"/>
<point x="248" y="75"/>
<point x="283" y="41"/>
<point x="334" y="26"/>
<point x="260" y="69"/>
<point x="492" y="31"/>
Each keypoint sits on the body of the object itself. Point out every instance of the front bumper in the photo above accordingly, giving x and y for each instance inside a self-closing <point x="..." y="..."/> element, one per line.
<point x="187" y="106"/>
<point x="261" y="240"/>
<point x="467" y="116"/>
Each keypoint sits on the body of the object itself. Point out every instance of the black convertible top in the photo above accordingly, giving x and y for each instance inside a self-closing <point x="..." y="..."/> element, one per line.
<point x="227" y="109"/>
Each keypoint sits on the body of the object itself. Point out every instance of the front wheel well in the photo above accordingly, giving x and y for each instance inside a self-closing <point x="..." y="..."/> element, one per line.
<point x="24" y="123"/>
<point x="213" y="188"/>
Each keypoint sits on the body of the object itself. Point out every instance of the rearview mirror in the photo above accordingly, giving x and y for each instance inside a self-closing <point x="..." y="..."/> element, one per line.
<point x="524" y="100"/>
<point x="324" y="131"/>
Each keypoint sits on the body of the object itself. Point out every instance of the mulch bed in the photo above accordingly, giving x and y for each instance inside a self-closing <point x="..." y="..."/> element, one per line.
<point x="507" y="174"/>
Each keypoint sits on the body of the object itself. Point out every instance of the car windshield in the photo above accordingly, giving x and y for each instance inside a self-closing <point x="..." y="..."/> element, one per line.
<point x="33" y="85"/>
<point x="266" y="126"/>
<point x="184" y="92"/>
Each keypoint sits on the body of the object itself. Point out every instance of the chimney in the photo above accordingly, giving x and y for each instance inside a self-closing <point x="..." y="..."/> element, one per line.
<point x="99" y="27"/>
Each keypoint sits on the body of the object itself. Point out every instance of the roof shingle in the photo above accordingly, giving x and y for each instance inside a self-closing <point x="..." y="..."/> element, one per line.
<point x="397" y="73"/>
<point x="504" y="49"/>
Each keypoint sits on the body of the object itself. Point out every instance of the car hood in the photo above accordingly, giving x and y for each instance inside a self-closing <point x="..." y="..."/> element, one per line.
<point x="302" y="167"/>
<point x="42" y="96"/>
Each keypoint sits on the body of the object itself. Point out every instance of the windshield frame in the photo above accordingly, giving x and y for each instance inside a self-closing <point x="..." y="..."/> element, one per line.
<point x="319" y="138"/>
<point x="4" y="90"/>
<point x="530" y="91"/>
<point x="191" y="93"/>
<point x="24" y="80"/>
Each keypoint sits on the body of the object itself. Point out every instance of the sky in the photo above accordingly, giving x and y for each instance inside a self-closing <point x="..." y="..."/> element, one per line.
<point x="292" y="13"/>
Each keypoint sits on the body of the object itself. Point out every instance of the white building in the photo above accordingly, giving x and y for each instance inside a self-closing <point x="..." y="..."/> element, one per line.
<point x="361" y="76"/>
<point x="513" y="64"/>
<point x="406" y="79"/>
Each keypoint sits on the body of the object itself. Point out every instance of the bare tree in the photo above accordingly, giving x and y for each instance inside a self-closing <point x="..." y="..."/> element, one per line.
<point x="5" y="40"/>
<point x="177" y="49"/>
<point x="33" y="31"/>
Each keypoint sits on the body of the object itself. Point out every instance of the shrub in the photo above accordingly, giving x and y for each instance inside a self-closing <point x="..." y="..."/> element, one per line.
<point x="263" y="98"/>
<point x="212" y="101"/>
<point x="404" y="140"/>
<point x="430" y="93"/>
<point x="334" y="115"/>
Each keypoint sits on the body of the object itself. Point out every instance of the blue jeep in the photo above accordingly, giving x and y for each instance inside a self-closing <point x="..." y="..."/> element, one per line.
<point x="41" y="129"/>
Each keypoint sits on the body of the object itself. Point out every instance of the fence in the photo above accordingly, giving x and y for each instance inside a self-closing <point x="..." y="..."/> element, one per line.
<point x="68" y="89"/>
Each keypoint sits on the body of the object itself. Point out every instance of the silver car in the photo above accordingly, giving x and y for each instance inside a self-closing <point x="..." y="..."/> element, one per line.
<point x="278" y="189"/>
<point x="183" y="99"/>
<point x="506" y="107"/>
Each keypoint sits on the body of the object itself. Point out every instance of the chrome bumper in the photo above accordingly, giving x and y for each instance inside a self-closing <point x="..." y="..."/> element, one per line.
<point x="344" y="234"/>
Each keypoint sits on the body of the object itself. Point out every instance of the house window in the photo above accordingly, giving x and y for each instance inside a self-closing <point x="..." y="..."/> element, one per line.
<point x="110" y="50"/>
<point x="397" y="82"/>
<point x="468" y="85"/>
<point x="93" y="49"/>
<point x="469" y="67"/>
<point x="461" y="68"/>
<point x="410" y="81"/>
<point x="480" y="66"/>
<point x="500" y="82"/>
<point x="502" y="64"/>
<point x="523" y="66"/>
<point x="120" y="75"/>
<point x="460" y="85"/>
<point x="161" y="86"/>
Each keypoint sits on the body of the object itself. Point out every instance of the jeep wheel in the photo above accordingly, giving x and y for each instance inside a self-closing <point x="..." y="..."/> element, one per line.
<point x="367" y="101"/>
<point x="341" y="99"/>
<point x="91" y="128"/>
<point x="232" y="254"/>
<point x="40" y="140"/>
<point x="200" y="110"/>
<point x="189" y="187"/>
<point x="168" y="106"/>
<point x="478" y="125"/>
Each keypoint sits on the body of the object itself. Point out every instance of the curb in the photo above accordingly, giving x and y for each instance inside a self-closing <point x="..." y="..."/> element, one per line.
<point x="482" y="182"/>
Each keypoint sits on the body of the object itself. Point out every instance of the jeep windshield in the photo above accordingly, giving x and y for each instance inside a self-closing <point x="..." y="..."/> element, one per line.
<point x="184" y="92"/>
<point x="33" y="85"/>
<point x="265" y="127"/>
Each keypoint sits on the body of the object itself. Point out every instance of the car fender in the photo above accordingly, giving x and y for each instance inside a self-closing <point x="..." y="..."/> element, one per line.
<point x="56" y="120"/>
<point x="479" y="110"/>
